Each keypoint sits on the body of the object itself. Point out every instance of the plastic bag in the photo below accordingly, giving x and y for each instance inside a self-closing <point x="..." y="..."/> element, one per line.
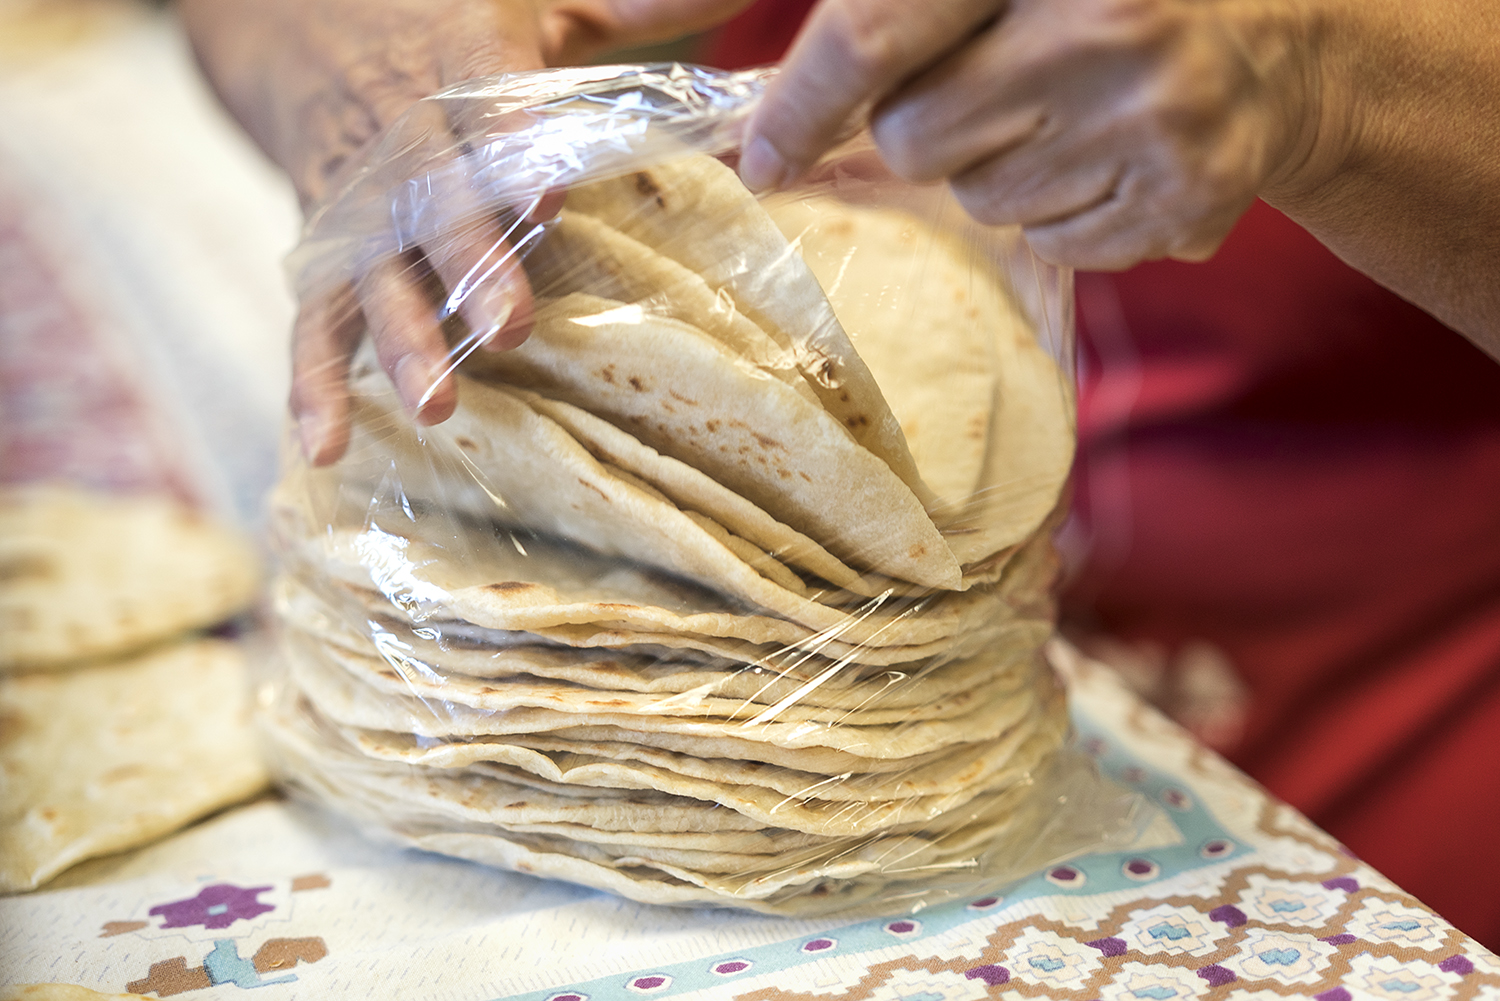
<point x="690" y="599"/>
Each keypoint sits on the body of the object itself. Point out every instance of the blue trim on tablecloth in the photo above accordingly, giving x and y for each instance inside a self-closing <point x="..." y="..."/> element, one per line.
<point x="1103" y="872"/>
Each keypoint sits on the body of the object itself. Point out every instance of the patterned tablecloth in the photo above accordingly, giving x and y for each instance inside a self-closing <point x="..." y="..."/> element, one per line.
<point x="1241" y="898"/>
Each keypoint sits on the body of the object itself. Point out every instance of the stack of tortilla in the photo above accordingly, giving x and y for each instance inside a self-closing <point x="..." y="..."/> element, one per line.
<point x="727" y="586"/>
<point x="119" y="721"/>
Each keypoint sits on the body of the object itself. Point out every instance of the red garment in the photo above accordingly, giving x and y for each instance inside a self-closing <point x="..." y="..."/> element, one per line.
<point x="1281" y="458"/>
<point x="1284" y="459"/>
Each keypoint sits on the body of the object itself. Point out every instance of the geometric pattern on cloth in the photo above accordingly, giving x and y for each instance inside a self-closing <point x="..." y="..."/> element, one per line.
<point x="1253" y="903"/>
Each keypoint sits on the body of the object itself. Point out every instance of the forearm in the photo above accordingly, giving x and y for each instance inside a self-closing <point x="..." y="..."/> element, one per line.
<point x="1403" y="179"/>
<point x="313" y="80"/>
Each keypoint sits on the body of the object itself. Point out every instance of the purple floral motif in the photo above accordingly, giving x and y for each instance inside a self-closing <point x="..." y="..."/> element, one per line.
<point x="820" y="945"/>
<point x="1094" y="747"/>
<point x="984" y="903"/>
<point x="1346" y="883"/>
<point x="1176" y="799"/>
<point x="1457" y="964"/>
<point x="217" y="906"/>
<point x="1336" y="994"/>
<point x="1216" y="975"/>
<point x="1217" y="848"/>
<point x="1133" y="774"/>
<point x="1140" y="869"/>
<point x="1344" y="939"/>
<point x="991" y="974"/>
<point x="730" y="967"/>
<point x="569" y="997"/>
<point x="1109" y="946"/>
<point x="1231" y="915"/>
<point x="649" y="983"/>
<point x="1066" y="875"/>
<point x="903" y="927"/>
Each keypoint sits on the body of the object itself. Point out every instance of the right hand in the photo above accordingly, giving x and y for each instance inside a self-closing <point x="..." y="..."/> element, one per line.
<point x="313" y="81"/>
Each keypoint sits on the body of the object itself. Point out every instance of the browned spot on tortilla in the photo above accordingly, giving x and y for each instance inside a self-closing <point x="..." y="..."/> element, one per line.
<point x="668" y="407"/>
<point x="123" y="772"/>
<point x="27" y="567"/>
<point x="648" y="188"/>
<point x="465" y="443"/>
<point x="518" y="804"/>
<point x="857" y="421"/>
<point x="804" y="476"/>
<point x="917" y="551"/>
<point x="681" y="399"/>
<point x="595" y="489"/>
<point x="504" y="586"/>
<point x="712" y="426"/>
<point x="636" y="384"/>
<point x="844" y="396"/>
<point x="48" y="814"/>
<point x="607" y="373"/>
<point x="767" y="442"/>
<point x="11" y="725"/>
<point x="785" y="474"/>
<point x="608" y="702"/>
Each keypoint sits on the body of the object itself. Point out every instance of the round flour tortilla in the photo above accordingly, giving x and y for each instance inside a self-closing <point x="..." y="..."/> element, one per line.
<point x="85" y="575"/>
<point x="686" y="395"/>
<point x="695" y="211"/>
<point x="108" y="757"/>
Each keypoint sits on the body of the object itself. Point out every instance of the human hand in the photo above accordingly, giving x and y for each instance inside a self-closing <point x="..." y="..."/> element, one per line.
<point x="313" y="81"/>
<point x="1112" y="131"/>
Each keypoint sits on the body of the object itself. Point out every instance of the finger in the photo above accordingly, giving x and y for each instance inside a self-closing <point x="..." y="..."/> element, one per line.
<point x="973" y="105"/>
<point x="408" y="339"/>
<point x="849" y="55"/>
<point x="326" y="332"/>
<point x="1011" y="189"/>
<point x="480" y="268"/>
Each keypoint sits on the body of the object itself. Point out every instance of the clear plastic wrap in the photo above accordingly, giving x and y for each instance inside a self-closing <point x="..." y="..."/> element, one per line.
<point x="729" y="585"/>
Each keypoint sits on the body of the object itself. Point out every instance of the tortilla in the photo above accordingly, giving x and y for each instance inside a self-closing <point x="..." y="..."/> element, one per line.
<point x="635" y="766"/>
<point x="664" y="674"/>
<point x="61" y="992"/>
<point x="695" y="211"/>
<point x="108" y="757"/>
<point x="400" y="676"/>
<point x="346" y="700"/>
<point x="86" y="575"/>
<point x="520" y="467"/>
<point x="679" y="391"/>
<point x="693" y="491"/>
<point x="924" y="315"/>
<point x="582" y="254"/>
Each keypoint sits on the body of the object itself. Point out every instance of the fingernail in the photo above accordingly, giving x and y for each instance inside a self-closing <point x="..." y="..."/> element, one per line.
<point x="498" y="309"/>
<point x="312" y="431"/>
<point x="761" y="166"/>
<point x="416" y="383"/>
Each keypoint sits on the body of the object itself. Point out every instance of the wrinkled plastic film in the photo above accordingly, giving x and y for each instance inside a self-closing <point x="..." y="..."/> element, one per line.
<point x="730" y="584"/>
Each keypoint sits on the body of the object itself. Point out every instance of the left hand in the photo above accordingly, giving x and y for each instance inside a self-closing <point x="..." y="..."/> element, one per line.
<point x="1113" y="131"/>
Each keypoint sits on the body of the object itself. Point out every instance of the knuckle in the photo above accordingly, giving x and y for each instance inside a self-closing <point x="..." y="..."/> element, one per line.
<point x="897" y="135"/>
<point x="868" y="37"/>
<point x="981" y="202"/>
